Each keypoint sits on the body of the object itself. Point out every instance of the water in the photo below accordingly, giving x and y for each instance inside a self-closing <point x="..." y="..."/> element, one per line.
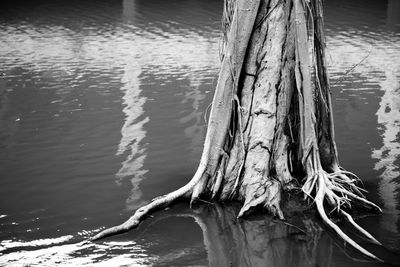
<point x="102" y="108"/>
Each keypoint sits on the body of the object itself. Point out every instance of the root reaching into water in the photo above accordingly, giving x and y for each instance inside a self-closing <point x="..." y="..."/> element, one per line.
<point x="338" y="197"/>
<point x="155" y="204"/>
<point x="338" y="190"/>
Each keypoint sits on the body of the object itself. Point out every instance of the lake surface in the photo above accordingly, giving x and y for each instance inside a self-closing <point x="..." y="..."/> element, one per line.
<point x="102" y="109"/>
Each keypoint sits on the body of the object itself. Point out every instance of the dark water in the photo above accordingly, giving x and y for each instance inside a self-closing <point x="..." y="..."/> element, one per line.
<point x="102" y="108"/>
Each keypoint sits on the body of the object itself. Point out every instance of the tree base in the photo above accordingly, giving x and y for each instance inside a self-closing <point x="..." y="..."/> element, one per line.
<point x="271" y="117"/>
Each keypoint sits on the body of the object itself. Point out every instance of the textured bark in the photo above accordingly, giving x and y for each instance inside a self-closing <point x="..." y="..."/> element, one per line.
<point x="271" y="123"/>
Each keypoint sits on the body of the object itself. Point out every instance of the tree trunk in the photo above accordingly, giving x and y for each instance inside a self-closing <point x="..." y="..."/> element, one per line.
<point x="270" y="127"/>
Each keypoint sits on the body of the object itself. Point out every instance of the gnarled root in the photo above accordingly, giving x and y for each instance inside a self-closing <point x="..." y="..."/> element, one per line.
<point x="338" y="189"/>
<point x="155" y="204"/>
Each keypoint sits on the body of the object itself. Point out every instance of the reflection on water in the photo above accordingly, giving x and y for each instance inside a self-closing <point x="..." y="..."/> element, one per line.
<point x="197" y="118"/>
<point x="262" y="241"/>
<point x="133" y="129"/>
<point x="95" y="90"/>
<point x="132" y="133"/>
<point x="389" y="154"/>
<point x="61" y="252"/>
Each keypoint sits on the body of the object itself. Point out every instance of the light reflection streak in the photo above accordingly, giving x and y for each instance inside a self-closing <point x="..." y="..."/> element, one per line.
<point x="61" y="252"/>
<point x="132" y="133"/>
<point x="150" y="52"/>
<point x="389" y="118"/>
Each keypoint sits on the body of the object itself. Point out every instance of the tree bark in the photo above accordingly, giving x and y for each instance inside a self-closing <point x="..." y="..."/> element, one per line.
<point x="271" y="124"/>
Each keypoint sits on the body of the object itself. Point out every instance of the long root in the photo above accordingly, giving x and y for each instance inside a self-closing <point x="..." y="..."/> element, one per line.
<point x="337" y="189"/>
<point x="155" y="204"/>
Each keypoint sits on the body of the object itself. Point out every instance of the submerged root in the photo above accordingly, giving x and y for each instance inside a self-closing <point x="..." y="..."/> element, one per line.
<point x="337" y="189"/>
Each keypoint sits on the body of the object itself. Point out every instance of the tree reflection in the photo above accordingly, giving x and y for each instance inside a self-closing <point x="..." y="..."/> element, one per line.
<point x="261" y="241"/>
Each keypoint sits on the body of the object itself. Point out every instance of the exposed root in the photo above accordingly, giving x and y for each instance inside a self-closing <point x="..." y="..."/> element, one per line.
<point x="359" y="228"/>
<point x="336" y="188"/>
<point x="155" y="204"/>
